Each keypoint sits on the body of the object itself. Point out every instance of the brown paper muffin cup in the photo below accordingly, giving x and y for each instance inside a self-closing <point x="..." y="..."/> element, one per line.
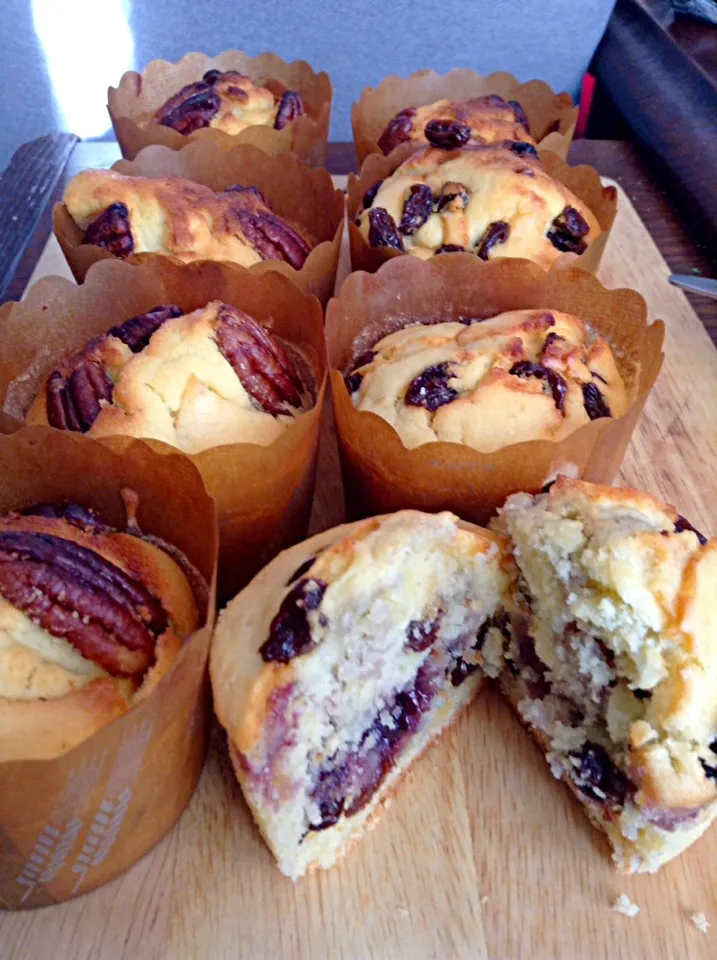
<point x="70" y="824"/>
<point x="552" y="116"/>
<point x="583" y="181"/>
<point x="140" y="94"/>
<point x="263" y="493"/>
<point x="382" y="475"/>
<point x="305" y="197"/>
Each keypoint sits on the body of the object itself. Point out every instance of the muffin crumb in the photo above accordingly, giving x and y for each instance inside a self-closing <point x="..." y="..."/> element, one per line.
<point x="624" y="905"/>
<point x="701" y="922"/>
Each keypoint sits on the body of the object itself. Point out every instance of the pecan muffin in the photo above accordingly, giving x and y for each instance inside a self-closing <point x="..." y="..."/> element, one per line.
<point x="523" y="375"/>
<point x="493" y="201"/>
<point x="613" y="665"/>
<point x="228" y="101"/>
<point x="338" y="665"/>
<point x="90" y="620"/>
<point x="182" y="219"/>
<point x="196" y="380"/>
<point x="453" y="123"/>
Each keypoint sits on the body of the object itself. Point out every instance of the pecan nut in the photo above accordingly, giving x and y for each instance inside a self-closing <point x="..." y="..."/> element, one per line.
<point x="397" y="130"/>
<point x="273" y="238"/>
<point x="77" y="595"/>
<point x="137" y="331"/>
<point x="263" y="368"/>
<point x="74" y="400"/>
<point x="111" y="230"/>
<point x="291" y="106"/>
<point x="74" y="513"/>
<point x="77" y="389"/>
<point x="192" y="108"/>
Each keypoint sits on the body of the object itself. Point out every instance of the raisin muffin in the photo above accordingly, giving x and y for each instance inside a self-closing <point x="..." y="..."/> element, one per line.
<point x="90" y="620"/>
<point x="228" y="101"/>
<point x="182" y="219"/>
<point x="453" y="123"/>
<point x="493" y="201"/>
<point x="337" y="666"/>
<point x="523" y="375"/>
<point x="196" y="380"/>
<point x="613" y="665"/>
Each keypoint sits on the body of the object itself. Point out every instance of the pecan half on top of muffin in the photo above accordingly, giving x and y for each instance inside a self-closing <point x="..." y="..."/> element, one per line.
<point x="196" y="380"/>
<point x="453" y="123"/>
<point x="493" y="201"/>
<point x="523" y="375"/>
<point x="91" y="618"/>
<point x="613" y="660"/>
<point x="228" y="101"/>
<point x="182" y="219"/>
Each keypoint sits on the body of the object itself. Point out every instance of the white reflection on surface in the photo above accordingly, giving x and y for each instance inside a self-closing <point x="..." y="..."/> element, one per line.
<point x="88" y="45"/>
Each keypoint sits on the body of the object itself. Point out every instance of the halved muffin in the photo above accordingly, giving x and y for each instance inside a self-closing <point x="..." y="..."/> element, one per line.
<point x="338" y="665"/>
<point x="613" y="661"/>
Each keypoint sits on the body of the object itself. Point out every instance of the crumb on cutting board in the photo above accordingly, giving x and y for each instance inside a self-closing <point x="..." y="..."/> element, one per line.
<point x="624" y="905"/>
<point x="701" y="922"/>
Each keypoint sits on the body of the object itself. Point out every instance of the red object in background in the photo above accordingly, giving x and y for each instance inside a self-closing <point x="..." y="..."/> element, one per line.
<point x="586" y="98"/>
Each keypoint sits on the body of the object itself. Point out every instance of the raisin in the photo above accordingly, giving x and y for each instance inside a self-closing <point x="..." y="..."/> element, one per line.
<point x="546" y="486"/>
<point x="211" y="76"/>
<point x="521" y="148"/>
<point x="397" y="131"/>
<point x="353" y="379"/>
<point x="519" y="114"/>
<point x="550" y="340"/>
<point x="450" y="248"/>
<point x="382" y="230"/>
<point x="301" y="570"/>
<point x="370" y="195"/>
<point x="421" y="634"/>
<point x="461" y="671"/>
<point x="597" y="772"/>
<point x="447" y="134"/>
<point x="417" y="209"/>
<point x="291" y="106"/>
<point x="642" y="694"/>
<point x="595" y="404"/>
<point x="329" y="794"/>
<point x="430" y="389"/>
<point x="682" y="525"/>
<point x="290" y="633"/>
<point x="557" y="385"/>
<point x="495" y="233"/>
<point x="567" y="230"/>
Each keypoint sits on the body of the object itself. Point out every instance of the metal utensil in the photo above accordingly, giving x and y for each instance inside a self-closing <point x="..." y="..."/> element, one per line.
<point x="702" y="285"/>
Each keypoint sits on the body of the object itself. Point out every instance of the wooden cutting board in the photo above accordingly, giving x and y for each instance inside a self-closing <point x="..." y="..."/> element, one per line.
<point x="482" y="854"/>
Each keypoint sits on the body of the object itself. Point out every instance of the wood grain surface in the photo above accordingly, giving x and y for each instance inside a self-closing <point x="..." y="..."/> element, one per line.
<point x="482" y="854"/>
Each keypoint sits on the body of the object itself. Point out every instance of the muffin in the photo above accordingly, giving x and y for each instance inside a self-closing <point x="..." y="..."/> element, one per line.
<point x="91" y="619"/>
<point x="229" y="101"/>
<point x="198" y="380"/>
<point x="453" y="123"/>
<point x="130" y="215"/>
<point x="522" y="375"/>
<point x="493" y="201"/>
<point x="338" y="665"/>
<point x="613" y="662"/>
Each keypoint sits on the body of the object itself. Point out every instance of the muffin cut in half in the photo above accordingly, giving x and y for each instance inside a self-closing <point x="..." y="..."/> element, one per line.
<point x="613" y="661"/>
<point x="336" y="667"/>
